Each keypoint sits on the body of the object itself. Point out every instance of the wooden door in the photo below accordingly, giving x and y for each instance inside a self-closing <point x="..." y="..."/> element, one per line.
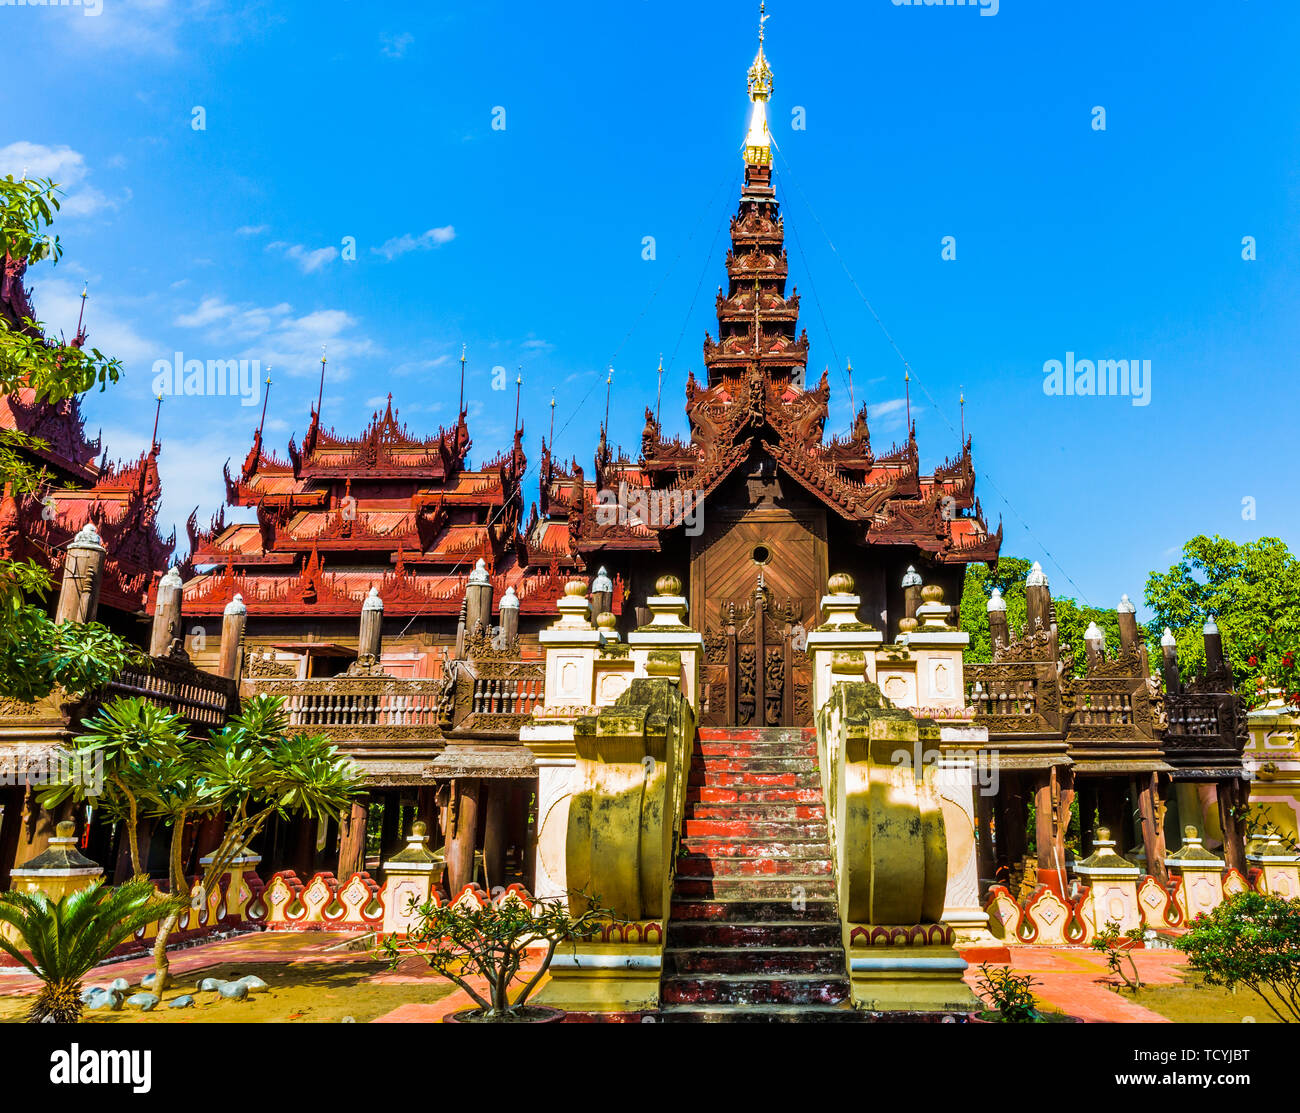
<point x="756" y="578"/>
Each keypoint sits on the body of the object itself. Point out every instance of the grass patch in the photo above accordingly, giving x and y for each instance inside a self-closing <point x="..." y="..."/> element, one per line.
<point x="1194" y="1002"/>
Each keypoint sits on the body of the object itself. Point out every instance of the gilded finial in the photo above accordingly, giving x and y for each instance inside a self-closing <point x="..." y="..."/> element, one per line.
<point x="758" y="143"/>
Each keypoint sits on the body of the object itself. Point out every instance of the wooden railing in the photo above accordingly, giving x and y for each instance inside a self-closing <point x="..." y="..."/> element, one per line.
<point x="496" y="696"/>
<point x="1014" y="697"/>
<point x="358" y="706"/>
<point x="202" y="698"/>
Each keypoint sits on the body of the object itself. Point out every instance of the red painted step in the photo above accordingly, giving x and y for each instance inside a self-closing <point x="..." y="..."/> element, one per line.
<point x="698" y="865"/>
<point x="753" y="929"/>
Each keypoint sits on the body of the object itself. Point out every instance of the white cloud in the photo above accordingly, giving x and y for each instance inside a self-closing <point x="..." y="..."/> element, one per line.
<point x="67" y="168"/>
<point x="157" y="26"/>
<point x="394" y="46"/>
<point x="275" y="335"/>
<point x="58" y="303"/>
<point x="308" y="259"/>
<point x="400" y="245"/>
<point x="252" y="229"/>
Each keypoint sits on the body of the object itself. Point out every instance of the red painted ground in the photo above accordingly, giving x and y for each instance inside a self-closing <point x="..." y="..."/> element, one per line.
<point x="1076" y="981"/>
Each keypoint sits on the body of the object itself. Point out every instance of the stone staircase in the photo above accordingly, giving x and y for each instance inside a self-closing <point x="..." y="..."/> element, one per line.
<point x="754" y="932"/>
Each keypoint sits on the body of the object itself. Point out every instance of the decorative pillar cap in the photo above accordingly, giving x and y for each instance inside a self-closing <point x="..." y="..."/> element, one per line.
<point x="602" y="582"/>
<point x="509" y="601"/>
<point x="1125" y="606"/>
<point x="171" y="578"/>
<point x="373" y="602"/>
<point x="1093" y="633"/>
<point x="87" y="538"/>
<point x="480" y="573"/>
<point x="1211" y="626"/>
<point x="996" y="602"/>
<point x="61" y="856"/>
<point x="912" y="578"/>
<point x="236" y="606"/>
<point x="1037" y="577"/>
<point x="1167" y="639"/>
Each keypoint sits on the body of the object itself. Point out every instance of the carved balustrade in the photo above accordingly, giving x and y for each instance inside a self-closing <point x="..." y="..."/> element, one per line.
<point x="203" y="699"/>
<point x="1014" y="697"/>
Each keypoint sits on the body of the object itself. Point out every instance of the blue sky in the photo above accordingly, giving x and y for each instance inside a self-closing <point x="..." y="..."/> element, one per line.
<point x="623" y="121"/>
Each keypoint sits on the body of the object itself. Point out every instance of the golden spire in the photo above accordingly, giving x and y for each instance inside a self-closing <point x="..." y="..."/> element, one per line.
<point x="758" y="143"/>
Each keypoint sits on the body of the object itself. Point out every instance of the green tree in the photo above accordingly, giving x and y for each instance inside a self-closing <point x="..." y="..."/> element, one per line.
<point x="248" y="771"/>
<point x="1253" y="591"/>
<point x="36" y="656"/>
<point x="67" y="938"/>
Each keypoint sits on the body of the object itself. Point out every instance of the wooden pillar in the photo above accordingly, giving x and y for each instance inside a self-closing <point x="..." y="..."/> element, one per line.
<point x="496" y="832"/>
<point x="1114" y="812"/>
<point x="1017" y="821"/>
<point x="986" y="863"/>
<point x="1153" y="837"/>
<point x="1064" y="805"/>
<point x="462" y="826"/>
<point x="303" y="855"/>
<point x="911" y="592"/>
<point x="426" y="811"/>
<point x="206" y="839"/>
<point x="370" y="637"/>
<point x="390" y="825"/>
<point x="352" y="839"/>
<point x="37" y="826"/>
<point x="1087" y="792"/>
<point x="478" y="600"/>
<point x="82" y="571"/>
<point x="11" y="824"/>
<point x="1051" y="865"/>
<point x="1231" y="797"/>
<point x="999" y="632"/>
<point x="233" y="619"/>
<point x="166" y="614"/>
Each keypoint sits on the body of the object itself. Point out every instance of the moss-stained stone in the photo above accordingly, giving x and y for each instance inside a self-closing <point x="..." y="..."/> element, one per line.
<point x="632" y="762"/>
<point x="890" y="836"/>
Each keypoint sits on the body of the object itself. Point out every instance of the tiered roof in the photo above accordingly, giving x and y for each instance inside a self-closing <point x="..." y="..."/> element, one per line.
<point x="755" y="400"/>
<point x="120" y="499"/>
<point x="385" y="509"/>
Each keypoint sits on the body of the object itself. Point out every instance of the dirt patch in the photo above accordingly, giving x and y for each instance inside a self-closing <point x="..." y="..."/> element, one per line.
<point x="306" y="991"/>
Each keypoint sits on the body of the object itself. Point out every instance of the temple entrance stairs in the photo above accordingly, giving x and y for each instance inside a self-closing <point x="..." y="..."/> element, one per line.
<point x="754" y="928"/>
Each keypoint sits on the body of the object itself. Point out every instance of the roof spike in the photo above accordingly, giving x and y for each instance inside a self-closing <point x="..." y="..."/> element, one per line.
<point x="758" y="142"/>
<point x="157" y="412"/>
<point x="266" y="397"/>
<point x="320" y="397"/>
<point x="460" y="406"/>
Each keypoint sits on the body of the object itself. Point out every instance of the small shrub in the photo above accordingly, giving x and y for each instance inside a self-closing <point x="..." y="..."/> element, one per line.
<point x="1252" y="940"/>
<point x="1107" y="941"/>
<point x="1009" y="994"/>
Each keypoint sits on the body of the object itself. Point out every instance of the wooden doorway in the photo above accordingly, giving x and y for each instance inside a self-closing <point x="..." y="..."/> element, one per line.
<point x="756" y="579"/>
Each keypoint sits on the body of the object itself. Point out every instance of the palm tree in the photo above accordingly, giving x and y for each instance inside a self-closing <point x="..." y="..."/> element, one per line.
<point x="67" y="938"/>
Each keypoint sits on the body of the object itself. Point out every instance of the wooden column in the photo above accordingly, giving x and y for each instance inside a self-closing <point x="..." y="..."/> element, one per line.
<point x="233" y="619"/>
<point x="352" y="839"/>
<point x="390" y="826"/>
<point x="1153" y="837"/>
<point x="1016" y="822"/>
<point x="166" y="614"/>
<point x="11" y="824"/>
<point x="1114" y="812"/>
<point x="303" y="859"/>
<point x="1051" y="867"/>
<point x="496" y="832"/>
<point x="1231" y="796"/>
<point x="1087" y="792"/>
<point x="82" y="571"/>
<point x="370" y="637"/>
<point x="986" y="862"/>
<point x="37" y="826"/>
<point x="460" y="835"/>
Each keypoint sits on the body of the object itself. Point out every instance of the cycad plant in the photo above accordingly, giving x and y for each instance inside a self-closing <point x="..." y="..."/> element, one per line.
<point x="69" y="937"/>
